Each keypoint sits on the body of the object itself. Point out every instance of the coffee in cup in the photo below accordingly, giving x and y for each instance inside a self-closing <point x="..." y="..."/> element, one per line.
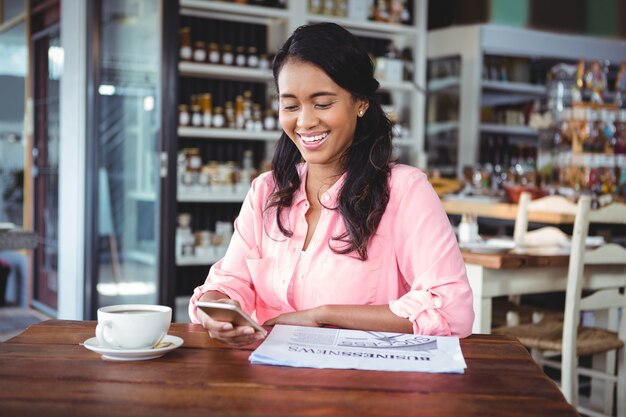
<point x="132" y="326"/>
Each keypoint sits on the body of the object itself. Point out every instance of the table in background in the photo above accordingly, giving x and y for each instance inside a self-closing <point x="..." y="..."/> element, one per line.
<point x="44" y="371"/>
<point x="494" y="275"/>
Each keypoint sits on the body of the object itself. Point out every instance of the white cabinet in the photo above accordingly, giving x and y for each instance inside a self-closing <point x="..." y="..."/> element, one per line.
<point x="268" y="28"/>
<point x="480" y="92"/>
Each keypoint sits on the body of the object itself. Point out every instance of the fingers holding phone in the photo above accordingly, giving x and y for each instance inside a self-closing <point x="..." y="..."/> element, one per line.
<point x="226" y="322"/>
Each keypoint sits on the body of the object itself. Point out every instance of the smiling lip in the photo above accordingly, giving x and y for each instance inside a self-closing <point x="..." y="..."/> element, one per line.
<point x="313" y="140"/>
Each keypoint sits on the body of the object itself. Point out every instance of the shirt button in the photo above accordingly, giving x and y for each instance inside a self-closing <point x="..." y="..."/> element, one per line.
<point x="326" y="211"/>
<point x="326" y="197"/>
<point x="437" y="303"/>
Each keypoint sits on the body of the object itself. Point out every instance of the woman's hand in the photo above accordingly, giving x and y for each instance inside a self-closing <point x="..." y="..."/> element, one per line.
<point x="310" y="318"/>
<point x="225" y="331"/>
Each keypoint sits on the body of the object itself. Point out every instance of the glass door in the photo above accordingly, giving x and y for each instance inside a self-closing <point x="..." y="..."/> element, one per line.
<point x="48" y="68"/>
<point x="125" y="172"/>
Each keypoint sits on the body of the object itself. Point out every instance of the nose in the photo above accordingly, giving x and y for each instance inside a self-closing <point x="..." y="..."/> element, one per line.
<point x="307" y="118"/>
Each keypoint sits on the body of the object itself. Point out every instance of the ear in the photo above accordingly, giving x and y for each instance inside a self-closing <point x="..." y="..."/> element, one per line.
<point x="362" y="107"/>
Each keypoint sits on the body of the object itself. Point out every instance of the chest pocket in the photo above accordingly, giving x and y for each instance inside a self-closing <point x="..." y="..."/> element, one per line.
<point x="347" y="280"/>
<point x="263" y="273"/>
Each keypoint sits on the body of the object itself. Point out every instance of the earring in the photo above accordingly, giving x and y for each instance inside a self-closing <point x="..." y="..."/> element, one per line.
<point x="361" y="113"/>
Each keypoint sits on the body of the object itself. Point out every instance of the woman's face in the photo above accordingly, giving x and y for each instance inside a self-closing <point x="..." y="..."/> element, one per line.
<point x="318" y="115"/>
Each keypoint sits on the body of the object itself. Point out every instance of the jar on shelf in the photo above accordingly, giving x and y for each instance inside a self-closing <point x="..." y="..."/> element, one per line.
<point x="269" y="122"/>
<point x="315" y="6"/>
<point x="218" y="117"/>
<point x="240" y="56"/>
<point x="253" y="57"/>
<point x="228" y="57"/>
<point x="207" y="109"/>
<point x="341" y="8"/>
<point x="229" y="114"/>
<point x="183" y="115"/>
<point x="247" y="105"/>
<point x="186" y="51"/>
<point x="184" y="220"/>
<point x="199" y="51"/>
<point x="196" y="115"/>
<point x="213" y="52"/>
<point x="193" y="158"/>
<point x="264" y="61"/>
<point x="328" y="7"/>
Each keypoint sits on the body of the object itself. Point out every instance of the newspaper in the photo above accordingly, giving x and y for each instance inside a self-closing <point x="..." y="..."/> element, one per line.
<point x="313" y="347"/>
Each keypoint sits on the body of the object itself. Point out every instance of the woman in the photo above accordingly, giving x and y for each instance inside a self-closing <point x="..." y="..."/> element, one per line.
<point x="336" y="234"/>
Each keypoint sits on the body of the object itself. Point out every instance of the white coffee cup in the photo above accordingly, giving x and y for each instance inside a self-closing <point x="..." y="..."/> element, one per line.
<point x="132" y="326"/>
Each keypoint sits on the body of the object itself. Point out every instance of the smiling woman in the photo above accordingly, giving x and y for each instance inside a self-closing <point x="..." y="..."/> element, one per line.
<point x="338" y="234"/>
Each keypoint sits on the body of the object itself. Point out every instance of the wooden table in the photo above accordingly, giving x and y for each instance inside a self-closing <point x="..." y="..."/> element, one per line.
<point x="494" y="275"/>
<point x="44" y="372"/>
<point x="548" y="210"/>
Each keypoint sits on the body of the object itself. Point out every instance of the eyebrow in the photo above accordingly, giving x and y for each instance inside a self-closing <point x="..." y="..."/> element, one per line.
<point x="314" y="95"/>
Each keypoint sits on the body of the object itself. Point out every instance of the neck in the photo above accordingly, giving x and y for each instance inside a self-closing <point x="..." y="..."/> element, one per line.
<point x="318" y="181"/>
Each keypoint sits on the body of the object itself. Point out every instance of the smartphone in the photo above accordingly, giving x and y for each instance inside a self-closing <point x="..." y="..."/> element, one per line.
<point x="230" y="313"/>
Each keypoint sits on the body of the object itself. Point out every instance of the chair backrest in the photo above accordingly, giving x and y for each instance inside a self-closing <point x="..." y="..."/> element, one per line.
<point x="611" y="255"/>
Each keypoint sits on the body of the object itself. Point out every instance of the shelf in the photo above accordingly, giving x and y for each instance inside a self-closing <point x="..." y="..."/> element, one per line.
<point x="441" y="127"/>
<point x="376" y="27"/>
<point x="440" y="84"/>
<point x="515" y="87"/>
<point x="235" y="9"/>
<point x="224" y="72"/>
<point x="193" y="195"/>
<point x="217" y="253"/>
<point x="508" y="129"/>
<point x="236" y="134"/>
<point x="195" y="261"/>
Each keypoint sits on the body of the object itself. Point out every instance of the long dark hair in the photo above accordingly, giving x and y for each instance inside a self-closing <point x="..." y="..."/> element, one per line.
<point x="365" y="192"/>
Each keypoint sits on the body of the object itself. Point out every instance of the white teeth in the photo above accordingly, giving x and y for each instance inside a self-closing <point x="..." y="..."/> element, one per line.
<point x="310" y="139"/>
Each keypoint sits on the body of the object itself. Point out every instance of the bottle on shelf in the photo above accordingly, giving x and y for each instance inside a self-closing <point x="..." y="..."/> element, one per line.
<point x="257" y="122"/>
<point x="264" y="61"/>
<point x="207" y="109"/>
<point x="199" y="51"/>
<point x="218" y="117"/>
<point x="240" y="56"/>
<point x="196" y="115"/>
<point x="240" y="121"/>
<point x="229" y="114"/>
<point x="186" y="51"/>
<point x="213" y="52"/>
<point x="269" y="122"/>
<point x="184" y="118"/>
<point x="228" y="58"/>
<point x="252" y="60"/>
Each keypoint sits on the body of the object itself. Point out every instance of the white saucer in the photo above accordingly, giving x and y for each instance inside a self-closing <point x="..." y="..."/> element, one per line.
<point x="490" y="246"/>
<point x="115" y="354"/>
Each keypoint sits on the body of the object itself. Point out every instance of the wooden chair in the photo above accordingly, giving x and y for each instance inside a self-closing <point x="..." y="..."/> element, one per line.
<point x="549" y="338"/>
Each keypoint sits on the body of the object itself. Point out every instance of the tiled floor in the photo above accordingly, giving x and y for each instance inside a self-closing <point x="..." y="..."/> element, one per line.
<point x="14" y="320"/>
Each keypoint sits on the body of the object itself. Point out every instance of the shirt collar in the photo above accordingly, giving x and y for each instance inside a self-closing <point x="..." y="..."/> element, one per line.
<point x="328" y="198"/>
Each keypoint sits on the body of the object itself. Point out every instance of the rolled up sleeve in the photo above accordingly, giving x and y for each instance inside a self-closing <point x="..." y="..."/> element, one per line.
<point x="439" y="300"/>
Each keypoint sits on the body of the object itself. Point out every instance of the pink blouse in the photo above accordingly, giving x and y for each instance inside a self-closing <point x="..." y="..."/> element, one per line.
<point x="414" y="264"/>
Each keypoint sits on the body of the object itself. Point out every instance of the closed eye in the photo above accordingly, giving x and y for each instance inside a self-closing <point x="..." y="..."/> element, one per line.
<point x="323" y="106"/>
